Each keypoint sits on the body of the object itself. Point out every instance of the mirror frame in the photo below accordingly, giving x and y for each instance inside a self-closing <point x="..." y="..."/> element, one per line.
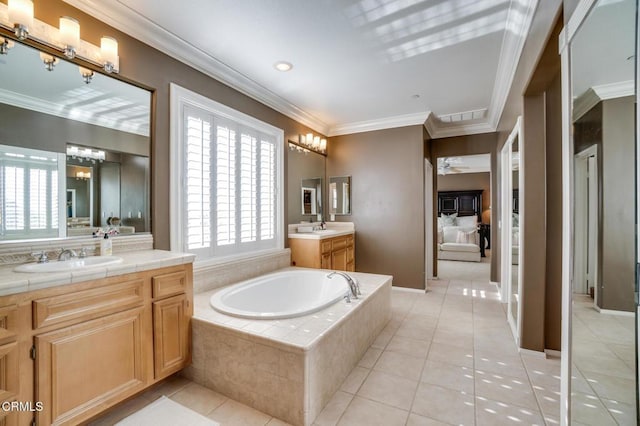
<point x="580" y="14"/>
<point x="34" y="44"/>
<point x="506" y="210"/>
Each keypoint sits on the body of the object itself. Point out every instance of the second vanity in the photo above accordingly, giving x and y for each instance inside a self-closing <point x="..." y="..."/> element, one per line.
<point x="331" y="248"/>
<point x="73" y="344"/>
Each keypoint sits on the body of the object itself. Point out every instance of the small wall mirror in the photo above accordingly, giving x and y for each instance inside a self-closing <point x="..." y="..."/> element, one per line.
<point x="311" y="196"/>
<point x="340" y="195"/>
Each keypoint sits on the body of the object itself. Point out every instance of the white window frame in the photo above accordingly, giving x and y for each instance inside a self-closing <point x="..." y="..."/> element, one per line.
<point x="179" y="99"/>
<point x="60" y="167"/>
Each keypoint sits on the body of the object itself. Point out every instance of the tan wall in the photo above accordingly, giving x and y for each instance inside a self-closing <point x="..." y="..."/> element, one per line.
<point x="469" y="181"/>
<point x="155" y="70"/>
<point x="538" y="67"/>
<point x="387" y="168"/>
<point x="618" y="198"/>
<point x="553" y="285"/>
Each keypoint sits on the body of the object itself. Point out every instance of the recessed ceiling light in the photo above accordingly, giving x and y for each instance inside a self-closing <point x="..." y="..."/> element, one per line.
<point x="283" y="66"/>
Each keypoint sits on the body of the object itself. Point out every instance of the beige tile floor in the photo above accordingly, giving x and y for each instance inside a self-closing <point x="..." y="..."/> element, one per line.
<point x="603" y="382"/>
<point x="446" y="357"/>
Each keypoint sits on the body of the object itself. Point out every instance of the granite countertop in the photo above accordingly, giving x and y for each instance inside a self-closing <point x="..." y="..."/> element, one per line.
<point x="12" y="282"/>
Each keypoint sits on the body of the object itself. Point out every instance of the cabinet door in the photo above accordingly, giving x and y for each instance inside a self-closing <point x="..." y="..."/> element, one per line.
<point x="339" y="259"/>
<point x="325" y="261"/>
<point x="84" y="368"/>
<point x="171" y="329"/>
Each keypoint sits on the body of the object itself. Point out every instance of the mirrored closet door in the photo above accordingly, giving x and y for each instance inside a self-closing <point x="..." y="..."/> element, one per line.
<point x="599" y="354"/>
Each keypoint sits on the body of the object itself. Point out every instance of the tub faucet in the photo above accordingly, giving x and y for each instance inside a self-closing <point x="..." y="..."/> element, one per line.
<point x="353" y="283"/>
<point x="66" y="254"/>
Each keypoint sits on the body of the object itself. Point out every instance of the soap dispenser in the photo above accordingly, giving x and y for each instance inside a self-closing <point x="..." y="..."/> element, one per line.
<point x="105" y="246"/>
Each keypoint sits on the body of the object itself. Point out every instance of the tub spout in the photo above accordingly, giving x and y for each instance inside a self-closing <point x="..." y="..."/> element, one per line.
<point x="353" y="284"/>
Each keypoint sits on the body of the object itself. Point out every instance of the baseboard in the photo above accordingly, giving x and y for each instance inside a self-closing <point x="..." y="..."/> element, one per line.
<point x="552" y="353"/>
<point x="408" y="290"/>
<point x="614" y="312"/>
<point x="531" y="353"/>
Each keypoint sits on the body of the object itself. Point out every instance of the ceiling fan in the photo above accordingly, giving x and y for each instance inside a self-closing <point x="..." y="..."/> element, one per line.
<point x="448" y="165"/>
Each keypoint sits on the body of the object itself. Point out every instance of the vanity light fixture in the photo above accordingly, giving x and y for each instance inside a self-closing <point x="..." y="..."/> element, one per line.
<point x="69" y="35"/>
<point x="86" y="74"/>
<point x="85" y="154"/>
<point x="109" y="53"/>
<point x="5" y="45"/>
<point x="21" y="16"/>
<point x="18" y="15"/>
<point x="83" y="175"/>
<point x="49" y="61"/>
<point x="311" y="142"/>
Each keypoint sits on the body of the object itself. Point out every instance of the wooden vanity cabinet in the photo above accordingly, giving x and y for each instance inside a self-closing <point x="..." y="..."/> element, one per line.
<point x="82" y="348"/>
<point x="337" y="253"/>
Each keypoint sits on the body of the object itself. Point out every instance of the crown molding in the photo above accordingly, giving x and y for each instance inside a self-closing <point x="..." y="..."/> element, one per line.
<point x="583" y="103"/>
<point x="379" y="124"/>
<point x="127" y="20"/>
<point x="39" y="105"/>
<point x="510" y="53"/>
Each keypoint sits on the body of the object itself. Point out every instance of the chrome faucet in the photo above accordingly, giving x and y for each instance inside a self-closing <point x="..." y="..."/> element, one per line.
<point x="66" y="254"/>
<point x="353" y="283"/>
<point x="41" y="256"/>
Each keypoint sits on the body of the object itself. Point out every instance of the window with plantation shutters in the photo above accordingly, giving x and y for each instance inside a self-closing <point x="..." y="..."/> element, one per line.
<point x="28" y="194"/>
<point x="228" y="193"/>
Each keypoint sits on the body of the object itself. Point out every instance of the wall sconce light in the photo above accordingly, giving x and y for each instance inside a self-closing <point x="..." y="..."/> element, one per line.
<point x="69" y="35"/>
<point x="83" y="175"/>
<point x="18" y="15"/>
<point x="85" y="154"/>
<point x="86" y="74"/>
<point x="21" y="16"/>
<point x="5" y="45"/>
<point x="109" y="52"/>
<point x="310" y="143"/>
<point x="49" y="61"/>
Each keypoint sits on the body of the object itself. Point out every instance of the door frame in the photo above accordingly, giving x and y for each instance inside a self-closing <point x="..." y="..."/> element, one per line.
<point x="428" y="222"/>
<point x="581" y="222"/>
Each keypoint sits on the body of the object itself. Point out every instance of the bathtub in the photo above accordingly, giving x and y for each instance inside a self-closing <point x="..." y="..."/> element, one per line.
<point x="284" y="294"/>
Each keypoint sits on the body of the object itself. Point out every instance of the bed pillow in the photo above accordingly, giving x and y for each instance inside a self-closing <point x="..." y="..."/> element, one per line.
<point x="515" y="219"/>
<point x="448" y="219"/>
<point x="466" y="237"/>
<point x="440" y="236"/>
<point x="467" y="221"/>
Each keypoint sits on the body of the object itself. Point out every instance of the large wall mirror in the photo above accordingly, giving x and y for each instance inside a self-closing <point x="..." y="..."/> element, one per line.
<point x="305" y="178"/>
<point x="601" y="348"/>
<point x="96" y="126"/>
<point x="511" y="237"/>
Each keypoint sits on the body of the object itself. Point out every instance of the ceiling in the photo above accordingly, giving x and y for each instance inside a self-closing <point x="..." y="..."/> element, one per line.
<point x="357" y="64"/>
<point x="602" y="54"/>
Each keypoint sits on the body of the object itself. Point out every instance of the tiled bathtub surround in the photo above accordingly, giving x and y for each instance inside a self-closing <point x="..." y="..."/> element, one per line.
<point x="210" y="277"/>
<point x="287" y="368"/>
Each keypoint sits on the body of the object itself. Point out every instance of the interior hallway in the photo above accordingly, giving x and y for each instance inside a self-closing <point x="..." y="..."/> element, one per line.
<point x="446" y="357"/>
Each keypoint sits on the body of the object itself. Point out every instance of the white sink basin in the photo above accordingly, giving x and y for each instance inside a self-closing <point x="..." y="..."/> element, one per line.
<point x="70" y="265"/>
